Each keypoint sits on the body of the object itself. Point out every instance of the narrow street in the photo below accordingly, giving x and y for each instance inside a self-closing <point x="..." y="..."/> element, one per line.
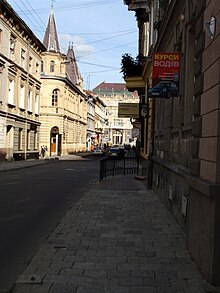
<point x="32" y="202"/>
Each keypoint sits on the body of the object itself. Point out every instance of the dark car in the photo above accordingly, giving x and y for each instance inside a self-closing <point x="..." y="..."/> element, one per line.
<point x="164" y="89"/>
<point x="117" y="152"/>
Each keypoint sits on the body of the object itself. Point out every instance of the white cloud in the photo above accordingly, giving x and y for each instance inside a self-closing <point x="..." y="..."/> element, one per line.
<point x="79" y="47"/>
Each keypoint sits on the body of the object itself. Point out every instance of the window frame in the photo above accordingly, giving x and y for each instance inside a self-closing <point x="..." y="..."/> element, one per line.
<point x="30" y="100"/>
<point x="11" y="89"/>
<point x="22" y="58"/>
<point x="52" y="66"/>
<point x="20" y="139"/>
<point x="28" y="139"/>
<point x="55" y="96"/>
<point x="36" y="103"/>
<point x="12" y="42"/>
<point x="22" y="96"/>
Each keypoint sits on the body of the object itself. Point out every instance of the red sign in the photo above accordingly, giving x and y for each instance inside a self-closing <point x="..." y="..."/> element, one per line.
<point x="166" y="66"/>
<point x="166" y="72"/>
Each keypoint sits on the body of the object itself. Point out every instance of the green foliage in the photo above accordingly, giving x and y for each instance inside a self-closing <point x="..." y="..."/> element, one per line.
<point x="130" y="66"/>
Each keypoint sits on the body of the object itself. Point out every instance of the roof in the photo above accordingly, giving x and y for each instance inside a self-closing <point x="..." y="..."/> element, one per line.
<point x="51" y="37"/>
<point x="111" y="89"/>
<point x="72" y="68"/>
<point x="110" y="86"/>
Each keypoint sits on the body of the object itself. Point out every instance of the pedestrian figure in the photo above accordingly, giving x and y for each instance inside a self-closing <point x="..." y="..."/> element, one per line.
<point x="45" y="151"/>
<point x="42" y="151"/>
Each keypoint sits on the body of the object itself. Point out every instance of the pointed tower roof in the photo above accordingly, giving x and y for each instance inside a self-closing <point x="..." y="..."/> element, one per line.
<point x="72" y="69"/>
<point x="51" y="37"/>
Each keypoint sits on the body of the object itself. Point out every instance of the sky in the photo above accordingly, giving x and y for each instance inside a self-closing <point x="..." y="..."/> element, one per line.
<point x="101" y="31"/>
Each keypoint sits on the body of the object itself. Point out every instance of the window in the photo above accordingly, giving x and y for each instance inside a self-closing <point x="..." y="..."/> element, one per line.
<point x="22" y="91"/>
<point x="55" y="97"/>
<point x="52" y="63"/>
<point x="37" y="67"/>
<point x="42" y="66"/>
<point x="29" y="100"/>
<point x="30" y="63"/>
<point x="35" y="140"/>
<point x="37" y="104"/>
<point x="11" y="91"/>
<point x="22" y="58"/>
<point x="28" y="139"/>
<point x="20" y="139"/>
<point x="12" y="47"/>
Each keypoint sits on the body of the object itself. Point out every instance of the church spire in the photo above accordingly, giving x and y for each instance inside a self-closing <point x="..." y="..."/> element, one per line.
<point x="72" y="69"/>
<point x="50" y="40"/>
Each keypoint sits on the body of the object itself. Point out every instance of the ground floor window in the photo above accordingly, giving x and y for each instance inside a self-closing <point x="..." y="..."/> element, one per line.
<point x="20" y="139"/>
<point x="35" y="140"/>
<point x="28" y="139"/>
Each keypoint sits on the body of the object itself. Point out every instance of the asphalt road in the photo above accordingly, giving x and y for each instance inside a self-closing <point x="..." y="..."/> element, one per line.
<point x="32" y="202"/>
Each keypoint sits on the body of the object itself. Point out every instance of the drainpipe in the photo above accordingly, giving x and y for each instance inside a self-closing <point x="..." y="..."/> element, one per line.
<point x="152" y="141"/>
<point x="26" y="102"/>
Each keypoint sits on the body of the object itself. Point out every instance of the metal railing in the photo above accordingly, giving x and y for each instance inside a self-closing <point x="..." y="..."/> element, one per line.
<point x="118" y="166"/>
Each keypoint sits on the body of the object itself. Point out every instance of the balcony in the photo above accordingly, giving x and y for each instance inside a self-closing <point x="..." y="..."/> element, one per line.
<point x="135" y="83"/>
<point x="132" y="70"/>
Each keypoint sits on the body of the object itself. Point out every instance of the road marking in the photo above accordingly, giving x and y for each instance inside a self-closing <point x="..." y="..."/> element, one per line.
<point x="69" y="169"/>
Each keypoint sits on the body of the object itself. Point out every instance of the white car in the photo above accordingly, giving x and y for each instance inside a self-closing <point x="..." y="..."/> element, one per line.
<point x="98" y="151"/>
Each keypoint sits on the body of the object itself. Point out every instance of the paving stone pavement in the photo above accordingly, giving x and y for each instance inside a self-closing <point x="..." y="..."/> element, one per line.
<point x="119" y="238"/>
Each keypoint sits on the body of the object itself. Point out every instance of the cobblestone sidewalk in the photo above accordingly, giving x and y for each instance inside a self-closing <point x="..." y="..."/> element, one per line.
<point x="114" y="241"/>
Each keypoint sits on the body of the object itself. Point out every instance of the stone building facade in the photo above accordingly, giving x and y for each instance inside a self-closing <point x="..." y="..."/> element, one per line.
<point x="63" y="109"/>
<point x="116" y="130"/>
<point x="184" y="141"/>
<point x="20" y="87"/>
<point x="100" y="114"/>
<point x="90" y="135"/>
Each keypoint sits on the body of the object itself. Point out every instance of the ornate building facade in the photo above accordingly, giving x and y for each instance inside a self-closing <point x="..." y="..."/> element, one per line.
<point x="91" y="135"/>
<point x="63" y="108"/>
<point x="116" y="130"/>
<point x="20" y="87"/>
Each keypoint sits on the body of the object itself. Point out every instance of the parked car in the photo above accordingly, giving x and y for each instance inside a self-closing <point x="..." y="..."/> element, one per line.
<point x="164" y="89"/>
<point x="98" y="151"/>
<point x="117" y="152"/>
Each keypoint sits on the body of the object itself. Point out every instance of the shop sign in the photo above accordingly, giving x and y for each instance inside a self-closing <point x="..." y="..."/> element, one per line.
<point x="165" y="75"/>
<point x="128" y="110"/>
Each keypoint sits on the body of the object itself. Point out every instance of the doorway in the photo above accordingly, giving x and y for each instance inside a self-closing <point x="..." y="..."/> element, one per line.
<point x="55" y="142"/>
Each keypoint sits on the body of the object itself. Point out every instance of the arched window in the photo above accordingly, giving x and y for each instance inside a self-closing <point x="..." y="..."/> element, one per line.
<point x="52" y="63"/>
<point x="55" y="94"/>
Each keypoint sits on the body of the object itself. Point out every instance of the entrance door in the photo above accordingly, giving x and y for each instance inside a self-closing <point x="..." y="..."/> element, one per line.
<point x="54" y="141"/>
<point x="59" y="144"/>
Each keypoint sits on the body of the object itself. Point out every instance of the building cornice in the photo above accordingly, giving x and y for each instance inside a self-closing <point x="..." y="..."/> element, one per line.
<point x="67" y="81"/>
<point x="12" y="19"/>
